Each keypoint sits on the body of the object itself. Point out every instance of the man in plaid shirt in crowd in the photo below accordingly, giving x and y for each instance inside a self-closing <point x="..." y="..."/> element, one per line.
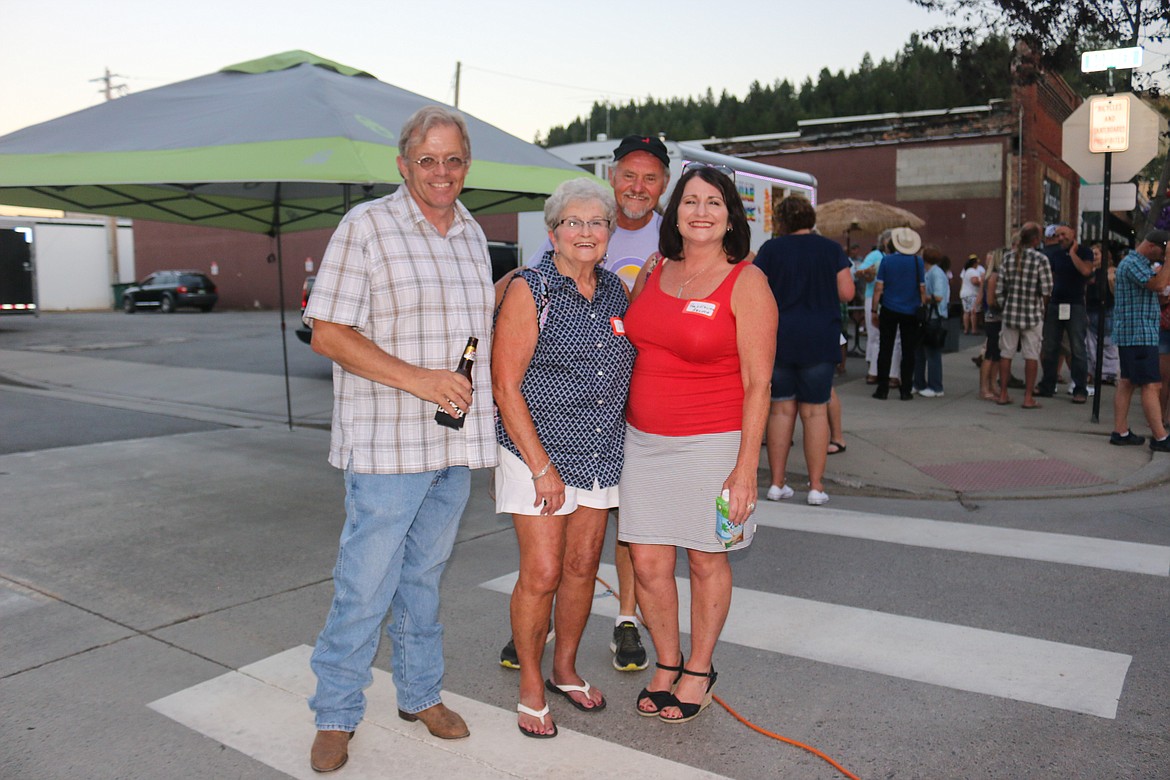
<point x="1135" y="332"/>
<point x="1022" y="287"/>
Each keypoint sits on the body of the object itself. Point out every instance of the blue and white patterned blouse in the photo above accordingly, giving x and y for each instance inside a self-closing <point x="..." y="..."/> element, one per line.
<point x="579" y="377"/>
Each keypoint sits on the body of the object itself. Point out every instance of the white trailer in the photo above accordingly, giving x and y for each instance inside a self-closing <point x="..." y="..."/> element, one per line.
<point x="65" y="262"/>
<point x="759" y="185"/>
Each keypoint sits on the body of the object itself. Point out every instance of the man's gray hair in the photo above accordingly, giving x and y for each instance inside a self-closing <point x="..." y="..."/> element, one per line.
<point x="884" y="241"/>
<point x="426" y="119"/>
<point x="582" y="189"/>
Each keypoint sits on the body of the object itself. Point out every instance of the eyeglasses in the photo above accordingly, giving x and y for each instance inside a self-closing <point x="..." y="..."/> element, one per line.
<point x="698" y="166"/>
<point x="452" y="163"/>
<point x="579" y="224"/>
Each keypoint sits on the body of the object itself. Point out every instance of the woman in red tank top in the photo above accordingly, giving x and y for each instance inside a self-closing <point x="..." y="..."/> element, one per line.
<point x="704" y="323"/>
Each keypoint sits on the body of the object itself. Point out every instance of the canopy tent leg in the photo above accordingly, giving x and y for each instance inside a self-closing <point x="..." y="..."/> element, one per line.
<point x="280" y="297"/>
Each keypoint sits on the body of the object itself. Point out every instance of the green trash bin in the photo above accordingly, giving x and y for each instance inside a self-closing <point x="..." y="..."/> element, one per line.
<point x="118" y="290"/>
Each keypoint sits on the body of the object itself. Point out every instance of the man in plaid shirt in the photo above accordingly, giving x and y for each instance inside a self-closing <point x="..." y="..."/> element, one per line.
<point x="404" y="282"/>
<point x="1135" y="332"/>
<point x="1022" y="287"/>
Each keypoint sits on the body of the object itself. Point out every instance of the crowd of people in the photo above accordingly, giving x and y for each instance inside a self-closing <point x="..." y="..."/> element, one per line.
<point x="637" y="361"/>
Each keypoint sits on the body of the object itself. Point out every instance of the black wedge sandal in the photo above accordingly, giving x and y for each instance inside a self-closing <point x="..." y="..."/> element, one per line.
<point x="660" y="699"/>
<point x="691" y="711"/>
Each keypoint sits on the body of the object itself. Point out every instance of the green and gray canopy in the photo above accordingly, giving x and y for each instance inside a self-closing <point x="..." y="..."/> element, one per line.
<point x="292" y="135"/>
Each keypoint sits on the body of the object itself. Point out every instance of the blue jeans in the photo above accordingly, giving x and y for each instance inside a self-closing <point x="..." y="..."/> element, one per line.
<point x="1054" y="328"/>
<point x="399" y="532"/>
<point x="928" y="368"/>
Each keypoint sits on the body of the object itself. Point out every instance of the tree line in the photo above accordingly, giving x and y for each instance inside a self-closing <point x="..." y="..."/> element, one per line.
<point x="920" y="76"/>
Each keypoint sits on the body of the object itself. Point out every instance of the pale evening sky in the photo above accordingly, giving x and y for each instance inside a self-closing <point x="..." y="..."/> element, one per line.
<point x="527" y="65"/>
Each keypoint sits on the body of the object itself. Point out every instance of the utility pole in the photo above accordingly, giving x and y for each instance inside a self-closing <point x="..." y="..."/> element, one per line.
<point x="109" y="88"/>
<point x="458" y="68"/>
<point x="111" y="91"/>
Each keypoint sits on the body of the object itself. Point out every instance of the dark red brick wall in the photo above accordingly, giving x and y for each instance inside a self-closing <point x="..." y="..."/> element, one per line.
<point x="958" y="227"/>
<point x="246" y="279"/>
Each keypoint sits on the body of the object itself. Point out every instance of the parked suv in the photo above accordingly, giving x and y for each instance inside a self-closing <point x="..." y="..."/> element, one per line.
<point x="169" y="290"/>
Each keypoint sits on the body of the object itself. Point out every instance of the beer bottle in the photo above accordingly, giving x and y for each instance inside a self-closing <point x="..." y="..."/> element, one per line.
<point x="464" y="367"/>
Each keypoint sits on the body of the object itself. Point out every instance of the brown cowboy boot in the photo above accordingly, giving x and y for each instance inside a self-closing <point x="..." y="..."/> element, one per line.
<point x="440" y="721"/>
<point x="330" y="750"/>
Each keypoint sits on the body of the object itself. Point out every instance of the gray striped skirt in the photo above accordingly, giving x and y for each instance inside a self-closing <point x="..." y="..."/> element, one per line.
<point x="669" y="485"/>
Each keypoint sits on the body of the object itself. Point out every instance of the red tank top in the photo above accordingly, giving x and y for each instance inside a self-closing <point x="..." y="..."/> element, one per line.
<point x="686" y="377"/>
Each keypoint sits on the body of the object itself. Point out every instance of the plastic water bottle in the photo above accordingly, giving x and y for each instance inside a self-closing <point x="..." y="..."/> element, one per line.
<point x="726" y="532"/>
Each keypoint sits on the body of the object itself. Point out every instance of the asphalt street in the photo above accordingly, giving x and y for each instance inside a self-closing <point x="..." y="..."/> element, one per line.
<point x="163" y="568"/>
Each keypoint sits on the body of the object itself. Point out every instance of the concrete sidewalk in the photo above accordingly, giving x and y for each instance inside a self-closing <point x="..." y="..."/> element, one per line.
<point x="957" y="445"/>
<point x="960" y="445"/>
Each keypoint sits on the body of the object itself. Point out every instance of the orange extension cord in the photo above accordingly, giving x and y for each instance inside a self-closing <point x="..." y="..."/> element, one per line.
<point x="758" y="729"/>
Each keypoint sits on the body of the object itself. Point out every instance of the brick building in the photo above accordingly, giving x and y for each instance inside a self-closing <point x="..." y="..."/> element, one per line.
<point x="974" y="174"/>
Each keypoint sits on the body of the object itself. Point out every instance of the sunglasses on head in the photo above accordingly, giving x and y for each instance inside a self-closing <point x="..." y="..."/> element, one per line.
<point x="698" y="166"/>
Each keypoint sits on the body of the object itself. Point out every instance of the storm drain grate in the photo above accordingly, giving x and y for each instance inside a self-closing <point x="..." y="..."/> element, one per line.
<point x="1002" y="474"/>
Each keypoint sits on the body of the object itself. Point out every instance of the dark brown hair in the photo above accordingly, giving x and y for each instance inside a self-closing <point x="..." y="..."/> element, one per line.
<point x="794" y="213"/>
<point x="736" y="241"/>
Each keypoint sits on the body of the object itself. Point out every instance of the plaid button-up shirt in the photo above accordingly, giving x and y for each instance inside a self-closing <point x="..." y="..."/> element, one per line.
<point x="1135" y="306"/>
<point x="1024" y="281"/>
<point x="418" y="295"/>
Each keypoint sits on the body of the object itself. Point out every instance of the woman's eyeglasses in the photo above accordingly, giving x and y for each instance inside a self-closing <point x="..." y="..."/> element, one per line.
<point x="578" y="225"/>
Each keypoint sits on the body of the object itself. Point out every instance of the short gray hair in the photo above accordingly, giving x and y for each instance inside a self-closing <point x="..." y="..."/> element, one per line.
<point x="426" y="119"/>
<point x="582" y="189"/>
<point x="884" y="240"/>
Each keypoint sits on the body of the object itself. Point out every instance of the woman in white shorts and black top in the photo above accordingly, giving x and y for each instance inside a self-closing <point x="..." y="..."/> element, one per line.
<point x="561" y="367"/>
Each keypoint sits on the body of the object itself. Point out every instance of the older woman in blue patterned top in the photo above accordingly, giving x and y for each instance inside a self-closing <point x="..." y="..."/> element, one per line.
<point x="561" y="368"/>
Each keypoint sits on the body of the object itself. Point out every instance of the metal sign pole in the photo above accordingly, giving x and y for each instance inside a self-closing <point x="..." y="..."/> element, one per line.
<point x="1102" y="275"/>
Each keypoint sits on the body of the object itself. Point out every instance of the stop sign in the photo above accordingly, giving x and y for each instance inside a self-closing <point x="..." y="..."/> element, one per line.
<point x="1145" y="134"/>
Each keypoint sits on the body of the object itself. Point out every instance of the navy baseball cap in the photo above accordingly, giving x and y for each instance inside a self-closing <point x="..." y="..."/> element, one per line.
<point x="642" y="143"/>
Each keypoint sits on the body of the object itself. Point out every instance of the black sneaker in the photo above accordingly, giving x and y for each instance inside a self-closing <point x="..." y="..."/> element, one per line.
<point x="508" y="657"/>
<point x="628" y="653"/>
<point x="1129" y="438"/>
<point x="1160" y="445"/>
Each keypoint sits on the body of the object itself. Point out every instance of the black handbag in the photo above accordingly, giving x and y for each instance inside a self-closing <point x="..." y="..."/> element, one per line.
<point x="934" y="330"/>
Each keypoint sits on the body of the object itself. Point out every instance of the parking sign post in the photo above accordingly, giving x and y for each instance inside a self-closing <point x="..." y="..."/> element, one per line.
<point x="1107" y="131"/>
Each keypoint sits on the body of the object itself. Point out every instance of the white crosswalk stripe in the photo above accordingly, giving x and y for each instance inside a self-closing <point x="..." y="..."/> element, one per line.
<point x="261" y="711"/>
<point x="964" y="537"/>
<point x="1058" y="675"/>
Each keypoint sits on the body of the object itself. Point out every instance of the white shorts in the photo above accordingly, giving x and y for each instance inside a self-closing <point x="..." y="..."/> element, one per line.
<point x="1026" y="342"/>
<point x="516" y="492"/>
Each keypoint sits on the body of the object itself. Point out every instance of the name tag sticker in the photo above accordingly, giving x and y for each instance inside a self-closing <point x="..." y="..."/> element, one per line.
<point x="619" y="327"/>
<point x="705" y="308"/>
<point x="1064" y="311"/>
